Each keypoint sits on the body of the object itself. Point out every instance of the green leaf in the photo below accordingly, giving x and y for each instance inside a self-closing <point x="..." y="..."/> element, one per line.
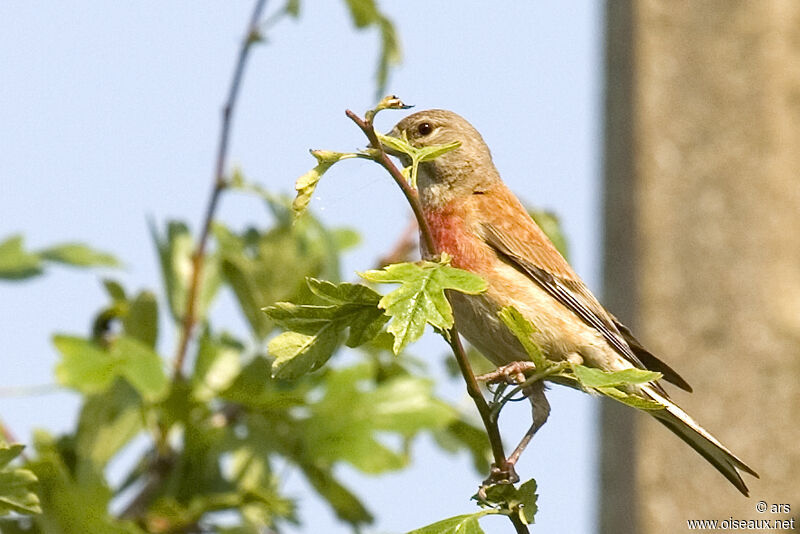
<point x="462" y="434"/>
<point x="141" y="366"/>
<point x="316" y="330"/>
<point x="79" y="255"/>
<point x="345" y="424"/>
<point x="523" y="330"/>
<point x="114" y="290"/>
<point x="307" y="183"/>
<point x="630" y="399"/>
<point x="344" y="503"/>
<point x="84" y="366"/>
<point x="417" y="155"/>
<point x="297" y="354"/>
<point x="255" y="388"/>
<point x="460" y="524"/>
<point x="421" y="297"/>
<point x="175" y="251"/>
<point x="16" y="494"/>
<point x="345" y="238"/>
<point x="219" y="362"/>
<point x="292" y="8"/>
<point x="527" y="501"/>
<point x="363" y="12"/>
<point x="15" y="262"/>
<point x="141" y="321"/>
<point x="595" y="378"/>
<point x="108" y="421"/>
<point x="71" y="506"/>
<point x="391" y="52"/>
<point x="90" y="369"/>
<point x="264" y="268"/>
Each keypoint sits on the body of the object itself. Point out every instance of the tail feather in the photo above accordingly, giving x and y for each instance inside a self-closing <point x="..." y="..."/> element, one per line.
<point x="686" y="428"/>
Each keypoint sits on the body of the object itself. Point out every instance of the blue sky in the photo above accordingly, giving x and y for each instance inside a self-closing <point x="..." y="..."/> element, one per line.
<point x="110" y="114"/>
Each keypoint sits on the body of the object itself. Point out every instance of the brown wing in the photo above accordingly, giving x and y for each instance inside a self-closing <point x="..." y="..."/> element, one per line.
<point x="527" y="248"/>
<point x="570" y="292"/>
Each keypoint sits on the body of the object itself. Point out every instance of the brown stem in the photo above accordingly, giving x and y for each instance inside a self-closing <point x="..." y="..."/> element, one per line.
<point x="489" y="420"/>
<point x="198" y="258"/>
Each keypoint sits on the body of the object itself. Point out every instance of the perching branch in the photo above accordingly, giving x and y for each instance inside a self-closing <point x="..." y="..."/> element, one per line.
<point x="488" y="416"/>
<point x="252" y="35"/>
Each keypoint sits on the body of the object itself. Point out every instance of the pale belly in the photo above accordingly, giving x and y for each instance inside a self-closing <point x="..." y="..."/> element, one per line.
<point x="559" y="332"/>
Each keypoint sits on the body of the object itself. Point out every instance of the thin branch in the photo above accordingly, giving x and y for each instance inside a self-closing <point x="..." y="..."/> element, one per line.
<point x="162" y="464"/>
<point x="198" y="259"/>
<point x="489" y="421"/>
<point x="488" y="417"/>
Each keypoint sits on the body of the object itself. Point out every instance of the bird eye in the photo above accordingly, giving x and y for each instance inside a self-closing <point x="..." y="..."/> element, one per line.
<point x="424" y="128"/>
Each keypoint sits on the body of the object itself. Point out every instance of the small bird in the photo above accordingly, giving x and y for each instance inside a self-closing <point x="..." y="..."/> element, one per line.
<point x="485" y="229"/>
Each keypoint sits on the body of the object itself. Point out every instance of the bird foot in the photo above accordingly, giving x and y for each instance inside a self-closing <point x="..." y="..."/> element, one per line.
<point x="513" y="373"/>
<point x="506" y="475"/>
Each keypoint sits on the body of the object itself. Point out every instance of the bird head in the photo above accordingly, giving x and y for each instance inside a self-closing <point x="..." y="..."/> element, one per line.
<point x="457" y="172"/>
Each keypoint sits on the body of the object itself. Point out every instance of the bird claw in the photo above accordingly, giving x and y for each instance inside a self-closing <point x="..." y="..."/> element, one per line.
<point x="506" y="475"/>
<point x="513" y="373"/>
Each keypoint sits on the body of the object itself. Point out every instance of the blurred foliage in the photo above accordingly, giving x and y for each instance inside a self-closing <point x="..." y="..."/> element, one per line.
<point x="208" y="441"/>
<point x="16" y="263"/>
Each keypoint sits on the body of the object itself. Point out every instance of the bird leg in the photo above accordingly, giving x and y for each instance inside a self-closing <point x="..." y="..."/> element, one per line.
<point x="514" y="373"/>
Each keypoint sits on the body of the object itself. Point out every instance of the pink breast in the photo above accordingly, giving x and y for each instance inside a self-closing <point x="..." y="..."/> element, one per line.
<point x="452" y="235"/>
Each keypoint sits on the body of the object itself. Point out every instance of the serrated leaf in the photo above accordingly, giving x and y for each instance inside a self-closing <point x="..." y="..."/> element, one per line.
<point x="523" y="330"/>
<point x="527" y="500"/>
<point x="316" y="329"/>
<point x="16" y="484"/>
<point x="460" y="524"/>
<point x="79" y="255"/>
<point x="15" y="262"/>
<point x="16" y="494"/>
<point x="297" y="354"/>
<point x="421" y="299"/>
<point x="595" y="378"/>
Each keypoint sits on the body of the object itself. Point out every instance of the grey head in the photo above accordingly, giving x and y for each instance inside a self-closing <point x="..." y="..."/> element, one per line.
<point x="461" y="171"/>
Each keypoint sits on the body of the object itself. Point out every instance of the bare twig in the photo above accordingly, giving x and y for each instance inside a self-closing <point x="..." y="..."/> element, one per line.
<point x="163" y="462"/>
<point x="198" y="259"/>
<point x="488" y="417"/>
